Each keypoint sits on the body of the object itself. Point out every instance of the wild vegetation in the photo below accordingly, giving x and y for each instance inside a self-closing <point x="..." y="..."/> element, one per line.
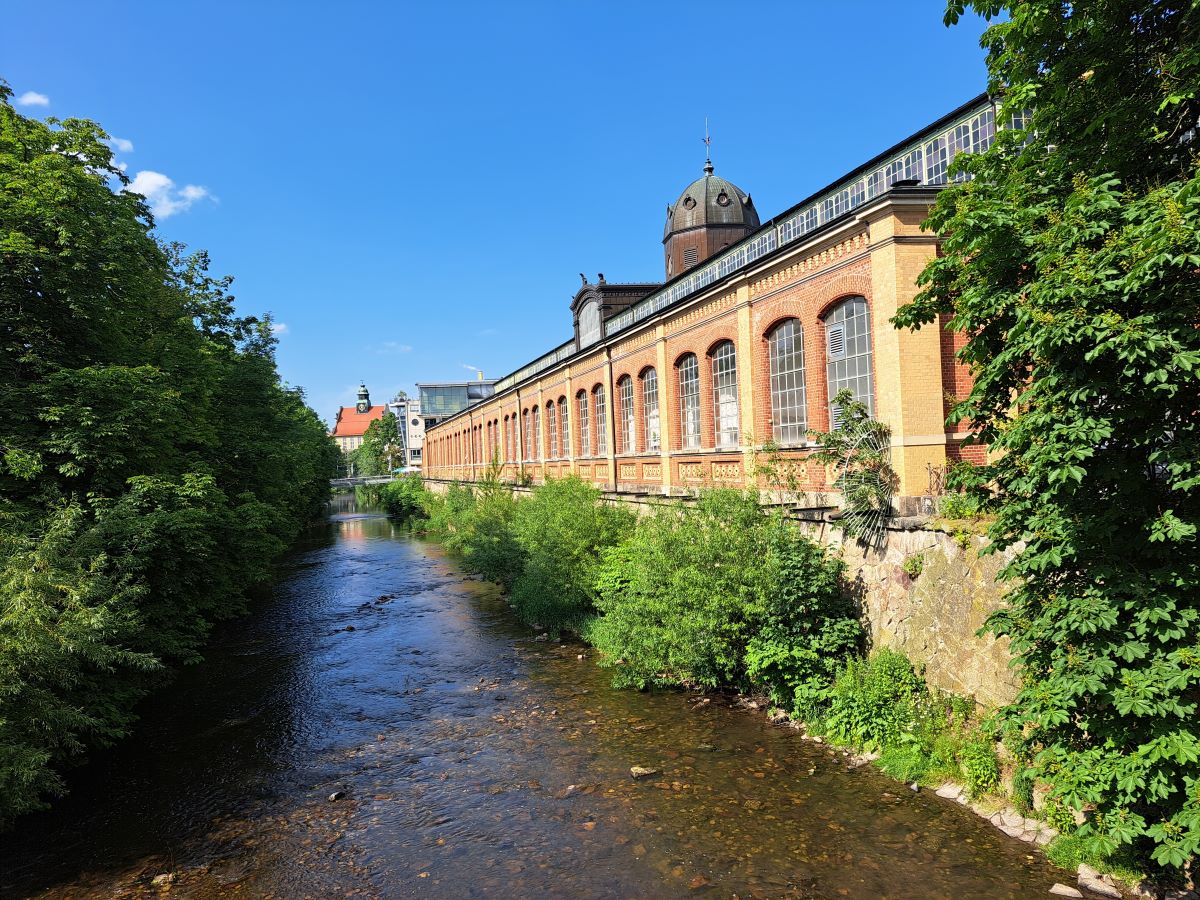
<point x="152" y="465"/>
<point x="714" y="594"/>
<point x="1070" y="261"/>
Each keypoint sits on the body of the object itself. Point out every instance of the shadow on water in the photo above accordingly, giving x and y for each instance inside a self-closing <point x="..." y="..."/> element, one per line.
<point x="470" y="761"/>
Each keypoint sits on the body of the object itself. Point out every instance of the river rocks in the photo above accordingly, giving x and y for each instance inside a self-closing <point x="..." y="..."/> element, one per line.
<point x="1064" y="890"/>
<point x="542" y="638"/>
<point x="336" y="796"/>
<point x="950" y="791"/>
<point x="915" y="788"/>
<point x="1091" y="880"/>
<point x="163" y="880"/>
<point x="642" y="771"/>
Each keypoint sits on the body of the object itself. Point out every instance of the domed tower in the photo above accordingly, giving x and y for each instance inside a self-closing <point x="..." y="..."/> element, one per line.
<point x="364" y="399"/>
<point x="710" y="214"/>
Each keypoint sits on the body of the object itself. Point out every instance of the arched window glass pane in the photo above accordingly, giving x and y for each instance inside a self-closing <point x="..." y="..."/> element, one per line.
<point x="564" y="428"/>
<point x="789" y="407"/>
<point x="589" y="324"/>
<point x="848" y="355"/>
<point x="689" y="402"/>
<point x="528" y="448"/>
<point x="598" y="401"/>
<point x="650" y="408"/>
<point x="725" y="395"/>
<point x="552" y="429"/>
<point x="585" y="439"/>
<point x="625" y="399"/>
<point x="537" y="433"/>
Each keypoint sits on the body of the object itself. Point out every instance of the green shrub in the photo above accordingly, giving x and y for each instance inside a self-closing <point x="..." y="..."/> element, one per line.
<point x="475" y="522"/>
<point x="876" y="700"/>
<point x="405" y="498"/>
<point x="680" y="599"/>
<point x="913" y="565"/>
<point x="807" y="627"/>
<point x="980" y="766"/>
<point x="561" y="531"/>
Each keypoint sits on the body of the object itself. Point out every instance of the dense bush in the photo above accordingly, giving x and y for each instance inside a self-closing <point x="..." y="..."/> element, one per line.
<point x="882" y="703"/>
<point x="152" y="464"/>
<point x="405" y="498"/>
<point x="561" y="530"/>
<point x="807" y="628"/>
<point x="722" y="593"/>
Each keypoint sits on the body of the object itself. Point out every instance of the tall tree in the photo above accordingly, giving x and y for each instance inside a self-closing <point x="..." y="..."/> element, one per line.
<point x="152" y="464"/>
<point x="1071" y="260"/>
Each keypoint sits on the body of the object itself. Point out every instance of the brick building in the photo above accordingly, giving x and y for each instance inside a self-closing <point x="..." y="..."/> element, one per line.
<point x="352" y="422"/>
<point x="666" y="388"/>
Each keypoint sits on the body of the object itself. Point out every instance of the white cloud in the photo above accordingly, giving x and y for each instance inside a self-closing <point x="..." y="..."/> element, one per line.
<point x="278" y="328"/>
<point x="122" y="145"/>
<point x="470" y="367"/>
<point x="33" y="98"/>
<point x="393" y="347"/>
<point x="160" y="192"/>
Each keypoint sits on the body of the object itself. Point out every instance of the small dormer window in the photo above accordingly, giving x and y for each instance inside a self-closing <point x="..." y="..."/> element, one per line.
<point x="589" y="324"/>
<point x="691" y="256"/>
<point x="689" y="203"/>
<point x="723" y="199"/>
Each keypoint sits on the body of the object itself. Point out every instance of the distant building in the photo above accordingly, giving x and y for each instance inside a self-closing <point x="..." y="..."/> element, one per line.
<point x="352" y="421"/>
<point x="440" y="400"/>
<point x="412" y="429"/>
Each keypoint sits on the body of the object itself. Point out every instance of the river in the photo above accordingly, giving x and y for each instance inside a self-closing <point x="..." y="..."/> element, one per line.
<point x="469" y="760"/>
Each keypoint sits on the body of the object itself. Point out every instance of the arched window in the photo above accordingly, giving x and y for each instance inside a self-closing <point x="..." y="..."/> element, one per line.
<point x="537" y="433"/>
<point x="528" y="448"/>
<point x="552" y="429"/>
<point x="565" y="428"/>
<point x="789" y="404"/>
<point x="512" y="438"/>
<point x="725" y="394"/>
<point x="848" y="355"/>
<point x="598" y="401"/>
<point x="650" y="408"/>
<point x="625" y="403"/>
<point x="688" y="370"/>
<point x="585" y="440"/>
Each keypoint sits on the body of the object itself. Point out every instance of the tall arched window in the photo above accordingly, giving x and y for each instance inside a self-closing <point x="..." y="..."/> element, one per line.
<point x="625" y="405"/>
<point x="601" y="407"/>
<point x="789" y="404"/>
<point x="848" y="355"/>
<point x="585" y="438"/>
<point x="512" y="438"/>
<point x="552" y="429"/>
<point x="725" y="394"/>
<point x="650" y="408"/>
<point x="537" y="432"/>
<point x="689" y="402"/>
<point x="565" y="428"/>
<point x="528" y="448"/>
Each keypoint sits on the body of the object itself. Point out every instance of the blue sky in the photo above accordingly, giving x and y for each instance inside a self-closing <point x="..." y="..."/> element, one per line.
<point x="412" y="189"/>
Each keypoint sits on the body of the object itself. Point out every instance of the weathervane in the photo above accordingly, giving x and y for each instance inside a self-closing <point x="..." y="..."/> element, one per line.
<point x="708" y="166"/>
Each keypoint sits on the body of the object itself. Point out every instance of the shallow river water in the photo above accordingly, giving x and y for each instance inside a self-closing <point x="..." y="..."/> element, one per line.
<point x="473" y="761"/>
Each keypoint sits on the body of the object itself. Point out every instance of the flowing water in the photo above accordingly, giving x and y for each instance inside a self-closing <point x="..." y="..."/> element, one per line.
<point x="469" y="760"/>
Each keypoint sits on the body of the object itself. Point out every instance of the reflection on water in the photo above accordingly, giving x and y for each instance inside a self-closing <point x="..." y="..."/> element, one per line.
<point x="470" y="761"/>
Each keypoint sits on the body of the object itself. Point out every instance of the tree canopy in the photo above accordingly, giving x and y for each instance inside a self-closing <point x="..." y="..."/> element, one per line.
<point x="1071" y="260"/>
<point x="152" y="464"/>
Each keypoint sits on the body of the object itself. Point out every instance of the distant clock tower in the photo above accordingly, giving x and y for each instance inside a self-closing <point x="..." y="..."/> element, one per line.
<point x="364" y="399"/>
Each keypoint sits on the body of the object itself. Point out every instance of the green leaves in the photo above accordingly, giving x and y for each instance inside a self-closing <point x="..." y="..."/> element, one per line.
<point x="1070" y="262"/>
<point x="153" y="466"/>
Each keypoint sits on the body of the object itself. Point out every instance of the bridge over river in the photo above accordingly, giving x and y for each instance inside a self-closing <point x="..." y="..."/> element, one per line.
<point x="356" y="480"/>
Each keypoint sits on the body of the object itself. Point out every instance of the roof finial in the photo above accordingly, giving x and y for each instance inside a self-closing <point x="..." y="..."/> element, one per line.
<point x="708" y="166"/>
